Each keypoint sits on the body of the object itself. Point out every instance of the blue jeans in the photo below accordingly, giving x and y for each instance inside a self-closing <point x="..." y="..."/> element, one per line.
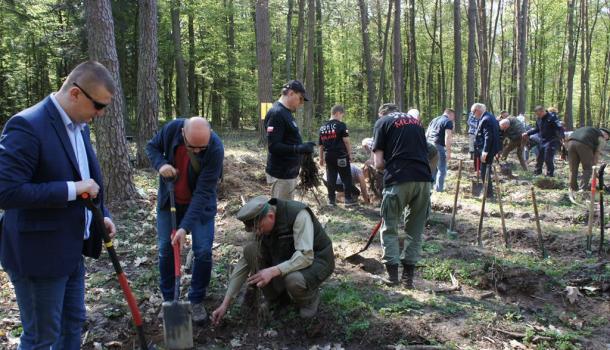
<point x="441" y="170"/>
<point x="203" y="236"/>
<point x="52" y="310"/>
<point x="546" y="155"/>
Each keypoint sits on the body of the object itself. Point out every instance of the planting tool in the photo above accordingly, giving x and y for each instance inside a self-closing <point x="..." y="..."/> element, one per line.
<point x="177" y="315"/>
<point x="485" y="186"/>
<point x="602" y="223"/>
<point x="538" y="229"/>
<point x="502" y="219"/>
<point x="98" y="222"/>
<point x="450" y="231"/>
<point x="368" y="242"/>
<point x="591" y="211"/>
<point x="476" y="184"/>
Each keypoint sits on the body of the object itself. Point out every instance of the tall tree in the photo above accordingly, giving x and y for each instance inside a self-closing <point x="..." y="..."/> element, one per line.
<point x="458" y="89"/>
<point x="472" y="31"/>
<point x="368" y="66"/>
<point x="289" y="40"/>
<point x="384" y="55"/>
<point x="482" y="37"/>
<point x="309" y="77"/>
<point x="233" y="88"/>
<point x="413" y="71"/>
<point x="192" y="82"/>
<point x="181" y="82"/>
<point x="523" y="6"/>
<point x="572" y="49"/>
<point x="148" y="95"/>
<point x="111" y="144"/>
<point x="263" y="58"/>
<point x="397" y="57"/>
<point x="320" y="103"/>
<point x="300" y="41"/>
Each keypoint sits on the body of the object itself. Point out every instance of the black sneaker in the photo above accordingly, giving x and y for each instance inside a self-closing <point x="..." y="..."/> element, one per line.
<point x="350" y="202"/>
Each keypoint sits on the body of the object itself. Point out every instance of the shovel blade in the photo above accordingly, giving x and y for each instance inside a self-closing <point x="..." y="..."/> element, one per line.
<point x="178" y="324"/>
<point x="477" y="188"/>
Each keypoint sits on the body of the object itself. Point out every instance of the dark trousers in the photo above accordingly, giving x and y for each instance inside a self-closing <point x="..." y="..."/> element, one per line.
<point x="485" y="166"/>
<point x="546" y="155"/>
<point x="338" y="165"/>
<point x="512" y="145"/>
<point x="580" y="153"/>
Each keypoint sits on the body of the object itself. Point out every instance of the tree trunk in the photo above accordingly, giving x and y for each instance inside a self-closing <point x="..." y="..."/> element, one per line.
<point x="301" y="40"/>
<point x="522" y="54"/>
<point x="263" y="59"/>
<point x="181" y="82"/>
<point x="148" y="96"/>
<point x="366" y="48"/>
<point x="232" y="87"/>
<point x="413" y="67"/>
<point x="397" y="57"/>
<point x="382" y="72"/>
<point x="569" y="119"/>
<point x="289" y="41"/>
<point x="111" y="144"/>
<point x="193" y="100"/>
<point x="483" y="52"/>
<point x="309" y="77"/>
<point x="320" y="99"/>
<point x="458" y="89"/>
<point x="472" y="31"/>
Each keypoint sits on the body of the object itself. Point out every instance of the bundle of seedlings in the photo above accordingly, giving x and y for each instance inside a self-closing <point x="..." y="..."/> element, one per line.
<point x="309" y="177"/>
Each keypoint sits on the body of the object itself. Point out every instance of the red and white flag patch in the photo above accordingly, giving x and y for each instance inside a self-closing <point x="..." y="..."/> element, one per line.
<point x="269" y="129"/>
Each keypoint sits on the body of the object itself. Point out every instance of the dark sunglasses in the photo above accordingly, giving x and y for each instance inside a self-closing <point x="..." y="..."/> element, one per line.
<point x="191" y="147"/>
<point x="97" y="105"/>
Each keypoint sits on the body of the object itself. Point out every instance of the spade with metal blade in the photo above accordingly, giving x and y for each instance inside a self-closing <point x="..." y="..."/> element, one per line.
<point x="177" y="315"/>
<point x="368" y="242"/>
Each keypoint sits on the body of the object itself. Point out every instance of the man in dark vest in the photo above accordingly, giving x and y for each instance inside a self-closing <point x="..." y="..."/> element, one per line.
<point x="550" y="131"/>
<point x="584" y="147"/>
<point x="290" y="259"/>
<point x="511" y="130"/>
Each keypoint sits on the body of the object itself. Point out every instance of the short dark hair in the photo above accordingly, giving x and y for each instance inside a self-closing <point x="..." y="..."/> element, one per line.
<point x="449" y="110"/>
<point x="503" y="111"/>
<point x="91" y="74"/>
<point x="337" y="109"/>
<point x="388" y="108"/>
<point x="539" y="108"/>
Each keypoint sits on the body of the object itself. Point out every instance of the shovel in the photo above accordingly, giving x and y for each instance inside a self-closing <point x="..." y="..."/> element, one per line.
<point x="450" y="231"/>
<point x="98" y="222"/>
<point x="177" y="315"/>
<point x="477" y="186"/>
<point x="368" y="242"/>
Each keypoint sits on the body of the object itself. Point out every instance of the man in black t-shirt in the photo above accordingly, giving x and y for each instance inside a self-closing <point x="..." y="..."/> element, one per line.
<point x="284" y="141"/>
<point x="401" y="151"/>
<point x="440" y="134"/>
<point x="336" y="153"/>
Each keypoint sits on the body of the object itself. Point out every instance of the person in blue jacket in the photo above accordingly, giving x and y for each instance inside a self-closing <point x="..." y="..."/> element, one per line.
<point x="473" y="123"/>
<point x="46" y="163"/>
<point x="550" y="131"/>
<point x="188" y="152"/>
<point x="487" y="142"/>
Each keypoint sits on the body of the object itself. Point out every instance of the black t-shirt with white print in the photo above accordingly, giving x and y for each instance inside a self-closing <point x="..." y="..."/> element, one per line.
<point x="331" y="137"/>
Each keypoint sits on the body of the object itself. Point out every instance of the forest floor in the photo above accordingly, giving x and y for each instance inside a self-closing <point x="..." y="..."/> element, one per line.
<point x="507" y="298"/>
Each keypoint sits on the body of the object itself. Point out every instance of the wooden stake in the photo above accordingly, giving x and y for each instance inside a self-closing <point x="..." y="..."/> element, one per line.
<point x="540" y="240"/>
<point x="499" y="189"/>
<point x="591" y="211"/>
<point x="485" y="185"/>
<point x="455" y="199"/>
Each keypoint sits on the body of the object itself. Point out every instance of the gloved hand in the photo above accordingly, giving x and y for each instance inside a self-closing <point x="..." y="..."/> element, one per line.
<point x="305" y="148"/>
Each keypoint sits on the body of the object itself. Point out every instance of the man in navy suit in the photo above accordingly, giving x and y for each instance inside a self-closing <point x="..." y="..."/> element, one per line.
<point x="46" y="162"/>
<point x="487" y="141"/>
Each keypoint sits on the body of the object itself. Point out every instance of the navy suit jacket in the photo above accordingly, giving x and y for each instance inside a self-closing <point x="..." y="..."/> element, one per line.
<point x="488" y="136"/>
<point x="42" y="234"/>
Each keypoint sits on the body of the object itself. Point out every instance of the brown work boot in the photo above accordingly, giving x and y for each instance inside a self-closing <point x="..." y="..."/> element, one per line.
<point x="407" y="275"/>
<point x="392" y="279"/>
<point x="310" y="310"/>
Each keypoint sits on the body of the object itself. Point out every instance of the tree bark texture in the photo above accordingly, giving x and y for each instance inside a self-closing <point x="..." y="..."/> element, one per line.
<point x="111" y="144"/>
<point x="263" y="58"/>
<point x="148" y="94"/>
<point x="181" y="82"/>
<point x="366" y="47"/>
